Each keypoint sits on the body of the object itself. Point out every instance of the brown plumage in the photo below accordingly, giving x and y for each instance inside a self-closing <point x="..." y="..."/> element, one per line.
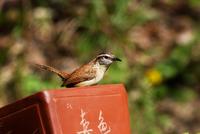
<point x="81" y="74"/>
<point x="84" y="73"/>
<point x="63" y="75"/>
<point x="88" y="74"/>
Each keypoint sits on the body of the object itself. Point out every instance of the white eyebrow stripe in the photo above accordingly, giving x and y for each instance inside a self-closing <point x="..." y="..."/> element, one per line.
<point x="105" y="55"/>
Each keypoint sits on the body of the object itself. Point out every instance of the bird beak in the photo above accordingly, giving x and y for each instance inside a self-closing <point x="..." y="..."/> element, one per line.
<point x="116" y="59"/>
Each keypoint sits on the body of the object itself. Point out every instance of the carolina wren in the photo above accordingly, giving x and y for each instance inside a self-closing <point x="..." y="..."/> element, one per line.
<point x="86" y="75"/>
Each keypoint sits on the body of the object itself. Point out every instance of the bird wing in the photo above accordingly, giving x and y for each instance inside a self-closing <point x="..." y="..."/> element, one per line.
<point x="84" y="73"/>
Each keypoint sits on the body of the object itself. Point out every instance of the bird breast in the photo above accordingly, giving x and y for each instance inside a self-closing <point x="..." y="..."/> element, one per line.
<point x="100" y="70"/>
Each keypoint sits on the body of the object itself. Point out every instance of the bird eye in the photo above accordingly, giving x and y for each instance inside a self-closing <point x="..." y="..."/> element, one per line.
<point x="106" y="57"/>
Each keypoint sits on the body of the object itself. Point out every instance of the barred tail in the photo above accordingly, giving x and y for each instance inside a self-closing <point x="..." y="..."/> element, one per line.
<point x="61" y="74"/>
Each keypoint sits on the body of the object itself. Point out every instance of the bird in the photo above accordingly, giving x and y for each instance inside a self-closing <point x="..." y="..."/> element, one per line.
<point x="86" y="75"/>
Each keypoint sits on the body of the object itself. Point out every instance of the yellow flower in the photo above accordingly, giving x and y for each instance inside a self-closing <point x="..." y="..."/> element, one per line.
<point x="154" y="76"/>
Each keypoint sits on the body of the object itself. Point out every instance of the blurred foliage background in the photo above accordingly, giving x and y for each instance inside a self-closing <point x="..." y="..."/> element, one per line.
<point x="158" y="40"/>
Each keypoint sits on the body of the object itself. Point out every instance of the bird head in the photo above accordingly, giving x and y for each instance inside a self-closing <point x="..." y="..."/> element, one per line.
<point x="106" y="59"/>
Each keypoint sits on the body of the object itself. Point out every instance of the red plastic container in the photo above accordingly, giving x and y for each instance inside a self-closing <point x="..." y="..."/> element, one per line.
<point x="98" y="109"/>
